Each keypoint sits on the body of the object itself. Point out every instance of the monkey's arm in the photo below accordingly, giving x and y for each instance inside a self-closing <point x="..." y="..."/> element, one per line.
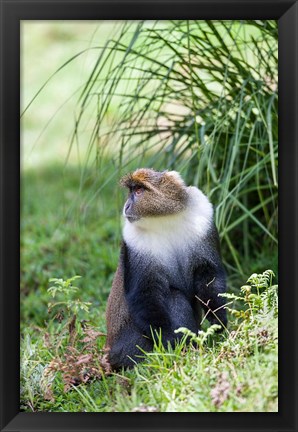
<point x="210" y="280"/>
<point x="147" y="293"/>
<point x="147" y="302"/>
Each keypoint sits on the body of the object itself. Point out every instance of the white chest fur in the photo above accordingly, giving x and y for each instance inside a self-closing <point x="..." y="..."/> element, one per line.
<point x="165" y="237"/>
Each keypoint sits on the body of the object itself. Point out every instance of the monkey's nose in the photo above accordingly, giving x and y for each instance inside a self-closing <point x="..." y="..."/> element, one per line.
<point x="127" y="207"/>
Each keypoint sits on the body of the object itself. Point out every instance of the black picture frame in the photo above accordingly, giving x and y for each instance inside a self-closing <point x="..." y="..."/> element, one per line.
<point x="12" y="12"/>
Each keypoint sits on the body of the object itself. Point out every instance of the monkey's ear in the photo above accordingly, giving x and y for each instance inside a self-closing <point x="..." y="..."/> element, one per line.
<point x="174" y="177"/>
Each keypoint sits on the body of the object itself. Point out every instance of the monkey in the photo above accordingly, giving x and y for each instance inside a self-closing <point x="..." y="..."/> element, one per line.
<point x="169" y="267"/>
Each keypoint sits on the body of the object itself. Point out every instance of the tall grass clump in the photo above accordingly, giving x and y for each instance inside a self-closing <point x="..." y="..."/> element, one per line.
<point x="199" y="97"/>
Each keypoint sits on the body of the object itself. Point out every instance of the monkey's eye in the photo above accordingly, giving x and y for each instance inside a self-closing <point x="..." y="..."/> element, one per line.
<point x="139" y="190"/>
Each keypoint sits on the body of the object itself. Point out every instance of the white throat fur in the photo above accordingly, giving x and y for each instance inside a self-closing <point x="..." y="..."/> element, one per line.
<point x="165" y="236"/>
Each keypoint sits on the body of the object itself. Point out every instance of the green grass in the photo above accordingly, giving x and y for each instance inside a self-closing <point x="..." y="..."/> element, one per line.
<point x="166" y="382"/>
<point x="62" y="236"/>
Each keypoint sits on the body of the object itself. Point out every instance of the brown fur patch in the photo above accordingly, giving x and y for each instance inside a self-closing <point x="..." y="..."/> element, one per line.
<point x="142" y="176"/>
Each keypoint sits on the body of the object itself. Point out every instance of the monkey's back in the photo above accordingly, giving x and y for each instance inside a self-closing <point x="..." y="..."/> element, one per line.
<point x="117" y="314"/>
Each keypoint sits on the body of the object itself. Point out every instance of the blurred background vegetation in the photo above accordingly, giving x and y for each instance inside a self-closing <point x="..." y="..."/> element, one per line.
<point x="99" y="99"/>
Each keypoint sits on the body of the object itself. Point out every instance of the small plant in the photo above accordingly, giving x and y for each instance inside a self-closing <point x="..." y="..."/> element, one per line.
<point x="254" y="321"/>
<point x="81" y="363"/>
<point x="67" y="307"/>
<point x="73" y="346"/>
<point x="202" y="337"/>
<point x="66" y="289"/>
<point x="258" y="296"/>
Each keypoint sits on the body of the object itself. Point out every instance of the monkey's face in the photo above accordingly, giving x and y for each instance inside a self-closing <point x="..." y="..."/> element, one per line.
<point x="153" y="193"/>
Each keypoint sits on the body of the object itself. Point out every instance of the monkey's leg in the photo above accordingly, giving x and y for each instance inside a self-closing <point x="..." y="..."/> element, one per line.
<point x="124" y="351"/>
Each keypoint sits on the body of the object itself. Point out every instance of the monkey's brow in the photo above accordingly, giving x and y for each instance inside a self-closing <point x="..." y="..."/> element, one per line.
<point x="133" y="184"/>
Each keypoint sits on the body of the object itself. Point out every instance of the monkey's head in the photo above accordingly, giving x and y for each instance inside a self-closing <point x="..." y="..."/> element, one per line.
<point x="153" y="193"/>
